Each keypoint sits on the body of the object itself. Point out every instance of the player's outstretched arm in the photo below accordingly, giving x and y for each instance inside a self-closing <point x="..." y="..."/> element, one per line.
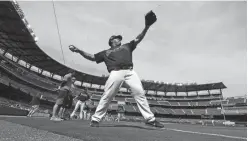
<point x="83" y="53"/>
<point x="150" y="18"/>
<point x="140" y="37"/>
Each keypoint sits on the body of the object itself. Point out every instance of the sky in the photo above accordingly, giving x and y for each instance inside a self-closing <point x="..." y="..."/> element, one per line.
<point x="202" y="42"/>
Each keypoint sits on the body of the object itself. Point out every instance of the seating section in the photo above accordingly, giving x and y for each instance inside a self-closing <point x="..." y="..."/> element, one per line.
<point x="203" y="103"/>
<point x="213" y="111"/>
<point x="179" y="112"/>
<point x="120" y="98"/>
<point x="215" y="102"/>
<point x="236" y="100"/>
<point x="28" y="89"/>
<point x="96" y="97"/>
<point x="188" y="111"/>
<point x="129" y="108"/>
<point x="174" y="103"/>
<point x="161" y="110"/>
<point x="194" y="103"/>
<point x="113" y="107"/>
<point x="165" y="103"/>
<point x="26" y="76"/>
<point x="153" y="102"/>
<point x="199" y="111"/>
<point x="130" y="100"/>
<point x="153" y="109"/>
<point x="184" y="103"/>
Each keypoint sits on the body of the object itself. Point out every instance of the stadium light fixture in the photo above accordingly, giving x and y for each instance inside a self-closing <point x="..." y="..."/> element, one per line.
<point x="36" y="39"/>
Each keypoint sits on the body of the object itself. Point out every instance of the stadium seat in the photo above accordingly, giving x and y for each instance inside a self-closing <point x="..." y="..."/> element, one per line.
<point x="153" y="102"/>
<point x="184" y="103"/>
<point x="199" y="111"/>
<point x="130" y="100"/>
<point x="96" y="97"/>
<point x="166" y="103"/>
<point x="188" y="111"/>
<point x="161" y="110"/>
<point x="172" y="103"/>
<point x="203" y="103"/>
<point x="213" y="111"/>
<point x="120" y="98"/>
<point x="170" y="111"/>
<point x="179" y="112"/>
<point x="129" y="108"/>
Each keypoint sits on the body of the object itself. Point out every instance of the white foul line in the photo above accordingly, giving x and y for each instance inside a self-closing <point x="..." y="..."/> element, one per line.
<point x="219" y="135"/>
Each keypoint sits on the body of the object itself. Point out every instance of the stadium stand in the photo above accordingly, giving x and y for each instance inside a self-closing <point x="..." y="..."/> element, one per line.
<point x="170" y="111"/>
<point x="184" y="104"/>
<point x="153" y="102"/>
<point x="161" y="110"/>
<point x="179" y="112"/>
<point x="174" y="103"/>
<point x="233" y="101"/>
<point x="129" y="108"/>
<point x="203" y="103"/>
<point x="188" y="111"/>
<point x="199" y="111"/>
<point x="130" y="100"/>
<point x="213" y="111"/>
<point x="165" y="103"/>
<point x="117" y="98"/>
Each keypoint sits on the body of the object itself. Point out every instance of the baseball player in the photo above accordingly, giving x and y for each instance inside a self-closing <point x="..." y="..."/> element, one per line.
<point x="67" y="103"/>
<point x="63" y="95"/>
<point x="118" y="60"/>
<point x="35" y="104"/>
<point x="80" y="104"/>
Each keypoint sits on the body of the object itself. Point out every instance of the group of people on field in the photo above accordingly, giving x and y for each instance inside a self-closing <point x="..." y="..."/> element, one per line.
<point x="65" y="101"/>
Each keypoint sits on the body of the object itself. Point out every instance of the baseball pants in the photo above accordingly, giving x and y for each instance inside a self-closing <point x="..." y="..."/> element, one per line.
<point x="112" y="86"/>
<point x="80" y="105"/>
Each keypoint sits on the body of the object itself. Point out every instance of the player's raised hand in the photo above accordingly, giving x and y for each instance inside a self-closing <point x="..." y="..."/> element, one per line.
<point x="150" y="18"/>
<point x="73" y="48"/>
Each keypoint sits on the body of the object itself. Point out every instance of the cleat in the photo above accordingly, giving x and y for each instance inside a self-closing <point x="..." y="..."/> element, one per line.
<point x="155" y="123"/>
<point x="94" y="123"/>
<point x="56" y="119"/>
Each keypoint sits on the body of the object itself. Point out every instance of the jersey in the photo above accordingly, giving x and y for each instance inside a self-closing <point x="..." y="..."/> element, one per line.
<point x="117" y="57"/>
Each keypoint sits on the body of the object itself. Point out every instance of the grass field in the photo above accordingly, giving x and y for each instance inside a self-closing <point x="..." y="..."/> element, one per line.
<point x="30" y="129"/>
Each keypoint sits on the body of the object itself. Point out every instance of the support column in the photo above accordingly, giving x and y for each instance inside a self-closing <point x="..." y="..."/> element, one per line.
<point x="30" y="67"/>
<point x="18" y="59"/>
<point x="41" y="71"/>
<point x="209" y="92"/>
<point x="223" y="110"/>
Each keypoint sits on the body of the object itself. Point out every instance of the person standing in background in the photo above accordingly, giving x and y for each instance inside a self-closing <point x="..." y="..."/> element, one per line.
<point x="35" y="104"/>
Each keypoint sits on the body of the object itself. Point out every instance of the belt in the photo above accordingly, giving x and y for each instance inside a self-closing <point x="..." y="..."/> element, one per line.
<point x="123" y="68"/>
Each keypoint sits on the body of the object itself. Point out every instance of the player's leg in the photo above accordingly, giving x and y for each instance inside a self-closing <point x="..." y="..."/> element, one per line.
<point x="133" y="81"/>
<point x="112" y="86"/>
<point x="31" y="110"/>
<point x="81" y="113"/>
<point x="36" y="107"/>
<point x="56" y="107"/>
<point x="75" y="108"/>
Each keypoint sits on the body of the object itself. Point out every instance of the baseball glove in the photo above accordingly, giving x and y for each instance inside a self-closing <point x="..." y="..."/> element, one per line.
<point x="150" y="18"/>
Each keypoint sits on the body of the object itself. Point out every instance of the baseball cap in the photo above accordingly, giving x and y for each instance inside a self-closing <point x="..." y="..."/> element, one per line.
<point x="114" y="37"/>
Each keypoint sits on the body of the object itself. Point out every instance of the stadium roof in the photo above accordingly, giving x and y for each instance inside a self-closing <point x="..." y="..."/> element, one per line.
<point x="18" y="39"/>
